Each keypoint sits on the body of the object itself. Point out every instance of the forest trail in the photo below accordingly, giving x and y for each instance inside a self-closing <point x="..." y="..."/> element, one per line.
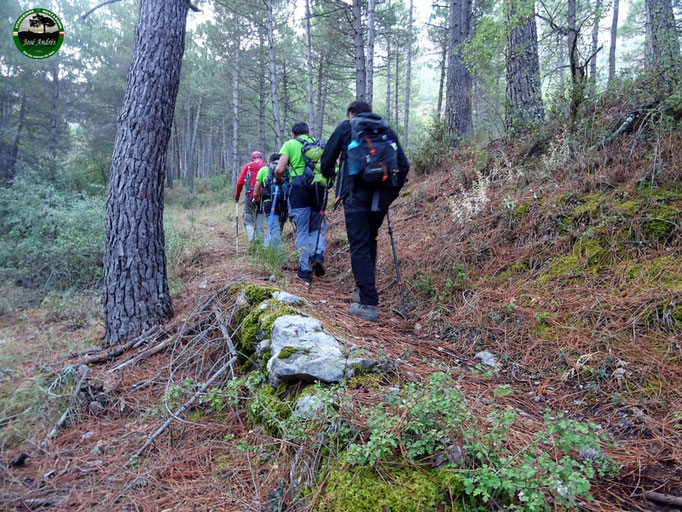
<point x="221" y="462"/>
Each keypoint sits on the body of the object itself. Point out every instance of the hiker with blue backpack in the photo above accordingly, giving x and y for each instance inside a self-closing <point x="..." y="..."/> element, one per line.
<point x="373" y="169"/>
<point x="306" y="194"/>
<point x="273" y="201"/>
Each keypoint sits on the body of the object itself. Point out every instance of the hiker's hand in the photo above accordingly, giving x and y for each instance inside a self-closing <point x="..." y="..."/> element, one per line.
<point x="236" y="199"/>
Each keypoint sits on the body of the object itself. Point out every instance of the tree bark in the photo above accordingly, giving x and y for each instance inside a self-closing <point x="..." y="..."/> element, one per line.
<point x="192" y="160"/>
<point x="396" y="121"/>
<point x="235" y="107"/>
<point x="273" y="73"/>
<point x="136" y="295"/>
<point x="572" y="39"/>
<point x="322" y="86"/>
<point x="408" y="78"/>
<point x="595" y="45"/>
<point x="371" y="36"/>
<point x="524" y="96"/>
<point x="388" y="78"/>
<point x="54" y="120"/>
<point x="14" y="153"/>
<point x="441" y="83"/>
<point x="612" y="46"/>
<point x="665" y="45"/>
<point x="458" y="95"/>
<point x="358" y="43"/>
<point x="309" y="65"/>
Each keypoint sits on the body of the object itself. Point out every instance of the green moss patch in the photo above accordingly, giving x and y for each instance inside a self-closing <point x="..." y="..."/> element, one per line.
<point x="398" y="489"/>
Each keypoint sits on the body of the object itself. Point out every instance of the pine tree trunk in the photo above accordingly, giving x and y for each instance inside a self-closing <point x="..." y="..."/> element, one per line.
<point x="408" y="78"/>
<point x="595" y="45"/>
<point x="11" y="172"/>
<point x="358" y="43"/>
<point x="396" y="121"/>
<point x="54" y="119"/>
<point x="136" y="295"/>
<point x="273" y="74"/>
<point x="322" y="86"/>
<point x="441" y="83"/>
<point x="371" y="36"/>
<point x="665" y="45"/>
<point x="459" y="84"/>
<point x="612" y="47"/>
<point x="524" y="96"/>
<point x="572" y="39"/>
<point x="388" y="79"/>
<point x="193" y="160"/>
<point x="236" y="75"/>
<point x="309" y="65"/>
<point x="562" y="62"/>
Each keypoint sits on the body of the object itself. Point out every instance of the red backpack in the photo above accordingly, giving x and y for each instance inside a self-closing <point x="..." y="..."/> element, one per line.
<point x="250" y="177"/>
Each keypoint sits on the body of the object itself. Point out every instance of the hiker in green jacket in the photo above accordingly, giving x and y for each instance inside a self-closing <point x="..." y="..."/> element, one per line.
<point x="264" y="192"/>
<point x="302" y="154"/>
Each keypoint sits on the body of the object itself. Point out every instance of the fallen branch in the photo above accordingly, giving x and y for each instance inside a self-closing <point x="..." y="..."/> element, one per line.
<point x="116" y="351"/>
<point x="666" y="499"/>
<point x="182" y="409"/>
<point x="158" y="347"/>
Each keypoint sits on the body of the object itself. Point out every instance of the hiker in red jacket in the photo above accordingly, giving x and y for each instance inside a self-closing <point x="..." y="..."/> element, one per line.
<point x="247" y="180"/>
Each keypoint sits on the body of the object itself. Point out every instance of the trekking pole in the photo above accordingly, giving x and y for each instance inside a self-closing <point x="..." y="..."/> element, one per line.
<point x="236" y="225"/>
<point x="271" y="217"/>
<point x="397" y="267"/>
<point x="319" y="229"/>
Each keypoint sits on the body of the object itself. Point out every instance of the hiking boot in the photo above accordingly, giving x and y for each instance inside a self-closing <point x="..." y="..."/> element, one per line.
<point x="304" y="276"/>
<point x="318" y="268"/>
<point x="365" y="311"/>
<point x="355" y="298"/>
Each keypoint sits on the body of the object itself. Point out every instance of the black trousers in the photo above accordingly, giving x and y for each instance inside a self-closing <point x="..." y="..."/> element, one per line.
<point x="362" y="227"/>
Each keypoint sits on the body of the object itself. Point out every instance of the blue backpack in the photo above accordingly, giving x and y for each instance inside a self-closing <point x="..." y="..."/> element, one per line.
<point x="372" y="154"/>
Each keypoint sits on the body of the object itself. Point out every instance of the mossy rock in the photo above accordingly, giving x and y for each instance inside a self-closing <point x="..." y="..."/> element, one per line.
<point x="398" y="489"/>
<point x="257" y="294"/>
<point x="287" y="352"/>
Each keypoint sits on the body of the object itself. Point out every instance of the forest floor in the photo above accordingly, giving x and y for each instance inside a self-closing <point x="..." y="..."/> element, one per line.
<point x="528" y="271"/>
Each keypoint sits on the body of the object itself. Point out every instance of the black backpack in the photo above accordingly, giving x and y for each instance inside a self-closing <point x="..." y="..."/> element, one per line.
<point x="372" y="154"/>
<point x="268" y="189"/>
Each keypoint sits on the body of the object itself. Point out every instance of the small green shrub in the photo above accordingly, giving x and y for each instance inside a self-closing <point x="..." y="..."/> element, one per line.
<point x="50" y="238"/>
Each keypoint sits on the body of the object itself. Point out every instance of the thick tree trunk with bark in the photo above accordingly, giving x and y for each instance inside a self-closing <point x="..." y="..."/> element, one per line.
<point x="136" y="295"/>
<point x="273" y="73"/>
<point x="459" y="84"/>
<point x="524" y="96"/>
<point x="309" y="65"/>
<point x="665" y="45"/>
<point x="612" y="45"/>
<point x="408" y="78"/>
<point x="371" y="36"/>
<point x="358" y="43"/>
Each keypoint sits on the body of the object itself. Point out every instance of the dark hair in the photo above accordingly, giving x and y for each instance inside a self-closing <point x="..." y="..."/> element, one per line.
<point x="273" y="157"/>
<point x="358" y="107"/>
<point x="300" y="128"/>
